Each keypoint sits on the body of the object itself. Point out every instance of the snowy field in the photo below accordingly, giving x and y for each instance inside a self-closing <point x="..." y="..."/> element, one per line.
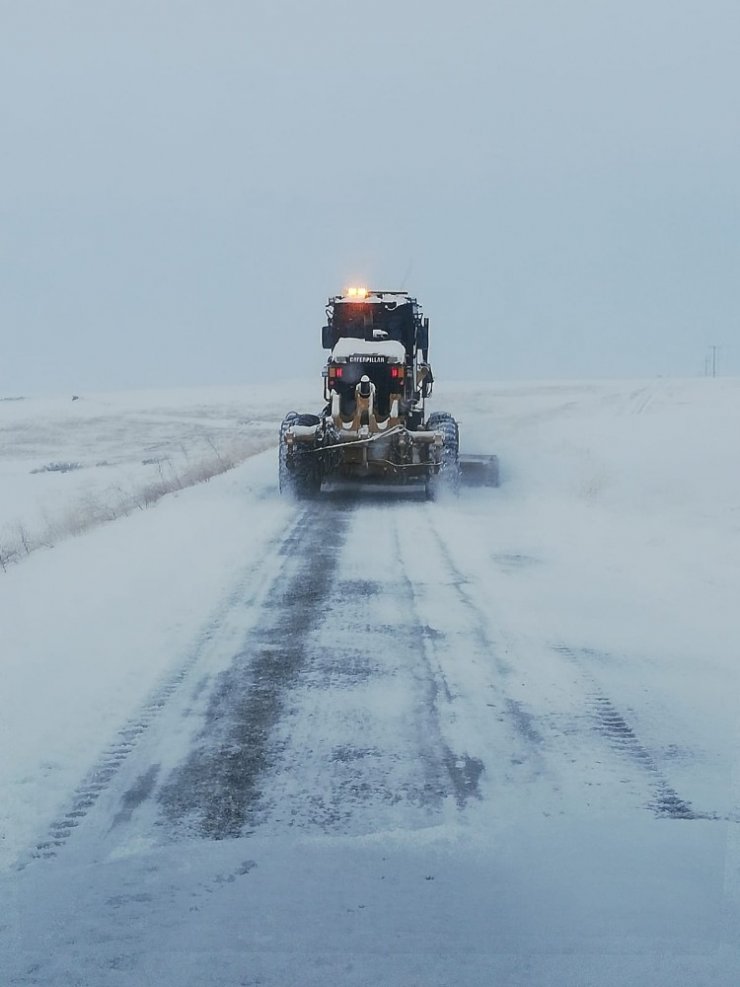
<point x="67" y="463"/>
<point x="491" y="740"/>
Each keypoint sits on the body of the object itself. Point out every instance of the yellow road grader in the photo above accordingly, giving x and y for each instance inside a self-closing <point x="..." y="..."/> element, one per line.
<point x="373" y="426"/>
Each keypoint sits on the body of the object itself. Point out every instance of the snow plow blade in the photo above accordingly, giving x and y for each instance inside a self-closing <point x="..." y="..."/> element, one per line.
<point x="479" y="471"/>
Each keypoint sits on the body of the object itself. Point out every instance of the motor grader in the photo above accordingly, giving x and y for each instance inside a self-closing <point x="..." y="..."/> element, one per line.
<point x="373" y="426"/>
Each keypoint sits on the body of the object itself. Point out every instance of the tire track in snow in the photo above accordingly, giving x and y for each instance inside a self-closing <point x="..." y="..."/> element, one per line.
<point x="640" y="400"/>
<point x="546" y="737"/>
<point x="227" y="781"/>
<point x="480" y="713"/>
<point x="464" y="769"/>
<point x="355" y="743"/>
<point x="127" y="740"/>
<point x="624" y="741"/>
<point x="523" y="721"/>
<point x="220" y="788"/>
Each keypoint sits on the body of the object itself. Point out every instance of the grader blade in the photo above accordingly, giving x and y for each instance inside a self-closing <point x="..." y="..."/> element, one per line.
<point x="479" y="471"/>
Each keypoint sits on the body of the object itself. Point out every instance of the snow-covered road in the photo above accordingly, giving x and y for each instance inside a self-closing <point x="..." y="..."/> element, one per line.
<point x="482" y="741"/>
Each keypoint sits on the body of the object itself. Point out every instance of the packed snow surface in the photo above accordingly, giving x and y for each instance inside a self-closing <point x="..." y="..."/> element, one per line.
<point x="374" y="740"/>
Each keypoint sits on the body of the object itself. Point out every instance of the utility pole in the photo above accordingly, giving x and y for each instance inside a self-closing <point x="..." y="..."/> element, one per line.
<point x="714" y="350"/>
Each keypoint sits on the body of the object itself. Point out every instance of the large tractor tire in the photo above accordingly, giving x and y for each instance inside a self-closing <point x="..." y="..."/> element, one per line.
<point x="299" y="472"/>
<point x="447" y="479"/>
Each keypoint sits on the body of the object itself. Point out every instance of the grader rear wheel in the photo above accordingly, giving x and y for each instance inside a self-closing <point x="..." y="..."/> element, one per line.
<point x="447" y="479"/>
<point x="299" y="470"/>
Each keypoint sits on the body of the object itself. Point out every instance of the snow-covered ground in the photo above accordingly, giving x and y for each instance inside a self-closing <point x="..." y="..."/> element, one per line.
<point x="67" y="463"/>
<point x="492" y="740"/>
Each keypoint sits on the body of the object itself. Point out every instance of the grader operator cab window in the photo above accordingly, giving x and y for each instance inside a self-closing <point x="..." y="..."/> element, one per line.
<point x="354" y="320"/>
<point x="371" y="319"/>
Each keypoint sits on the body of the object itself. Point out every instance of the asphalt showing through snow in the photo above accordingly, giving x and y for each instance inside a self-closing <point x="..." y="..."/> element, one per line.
<point x="360" y="683"/>
<point x="339" y="710"/>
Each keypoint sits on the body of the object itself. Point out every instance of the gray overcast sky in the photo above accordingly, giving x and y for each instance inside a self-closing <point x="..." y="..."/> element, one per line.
<point x="182" y="184"/>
